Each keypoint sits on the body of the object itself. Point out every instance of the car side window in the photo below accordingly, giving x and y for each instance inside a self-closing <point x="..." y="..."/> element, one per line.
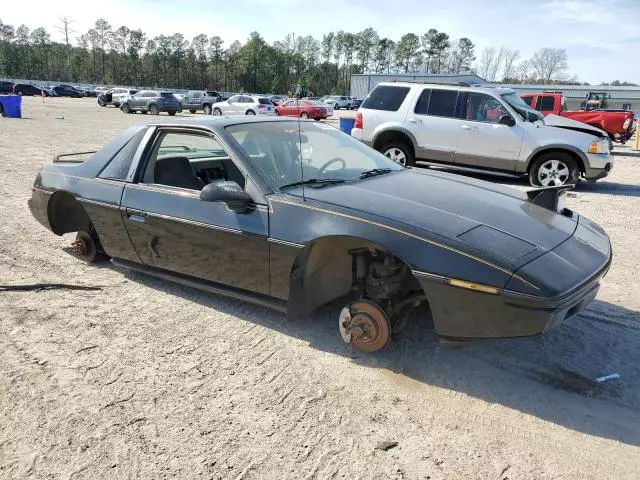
<point x="546" y="104"/>
<point x="422" y="105"/>
<point x="234" y="99"/>
<point x="443" y="103"/>
<point x="189" y="160"/>
<point x="118" y="167"/>
<point x="483" y="108"/>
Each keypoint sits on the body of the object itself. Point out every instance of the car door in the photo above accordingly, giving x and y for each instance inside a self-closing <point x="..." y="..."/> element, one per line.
<point x="232" y="106"/>
<point x="172" y="229"/>
<point x="482" y="141"/>
<point x="434" y="125"/>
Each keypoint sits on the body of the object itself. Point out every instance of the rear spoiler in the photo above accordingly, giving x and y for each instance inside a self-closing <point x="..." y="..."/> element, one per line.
<point x="548" y="197"/>
<point x="71" y="157"/>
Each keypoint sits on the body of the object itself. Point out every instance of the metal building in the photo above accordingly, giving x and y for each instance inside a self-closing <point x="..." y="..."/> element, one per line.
<point x="627" y="98"/>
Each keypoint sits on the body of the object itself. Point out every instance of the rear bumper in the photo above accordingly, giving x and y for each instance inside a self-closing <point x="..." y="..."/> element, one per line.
<point x="39" y="205"/>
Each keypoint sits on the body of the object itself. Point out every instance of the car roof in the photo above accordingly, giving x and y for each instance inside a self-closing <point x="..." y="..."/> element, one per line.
<point x="484" y="88"/>
<point x="219" y="123"/>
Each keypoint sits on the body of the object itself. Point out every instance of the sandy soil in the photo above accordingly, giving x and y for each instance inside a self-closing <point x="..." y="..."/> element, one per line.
<point x="145" y="379"/>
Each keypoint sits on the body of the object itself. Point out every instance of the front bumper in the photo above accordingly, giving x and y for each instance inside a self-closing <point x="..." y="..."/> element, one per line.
<point x="598" y="166"/>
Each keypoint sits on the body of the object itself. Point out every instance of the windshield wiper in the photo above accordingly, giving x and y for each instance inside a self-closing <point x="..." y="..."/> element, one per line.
<point x="374" y="171"/>
<point x="317" y="182"/>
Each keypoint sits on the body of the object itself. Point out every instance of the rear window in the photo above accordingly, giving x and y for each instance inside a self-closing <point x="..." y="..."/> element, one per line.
<point x="386" y="98"/>
<point x="264" y="101"/>
<point x="118" y="166"/>
<point x="547" y="104"/>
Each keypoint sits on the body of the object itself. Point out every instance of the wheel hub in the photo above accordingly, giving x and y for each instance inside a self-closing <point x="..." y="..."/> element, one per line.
<point x="365" y="326"/>
<point x="80" y="247"/>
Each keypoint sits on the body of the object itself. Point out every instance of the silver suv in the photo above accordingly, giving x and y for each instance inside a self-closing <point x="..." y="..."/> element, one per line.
<point x="477" y="129"/>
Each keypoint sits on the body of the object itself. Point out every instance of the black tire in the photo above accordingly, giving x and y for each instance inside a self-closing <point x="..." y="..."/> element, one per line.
<point x="336" y="107"/>
<point x="192" y="111"/>
<point x="125" y="108"/>
<point x="206" y="109"/>
<point x="250" y="112"/>
<point x="304" y="115"/>
<point x="2" y="114"/>
<point x="117" y="105"/>
<point x="101" y="102"/>
<point x="553" y="169"/>
<point x="399" y="152"/>
<point x="153" y="109"/>
<point x="171" y="114"/>
<point x="217" y="111"/>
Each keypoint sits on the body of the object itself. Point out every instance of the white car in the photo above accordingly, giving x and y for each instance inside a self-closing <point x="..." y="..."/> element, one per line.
<point x="244" y="105"/>
<point x="338" y="102"/>
<point x="478" y="129"/>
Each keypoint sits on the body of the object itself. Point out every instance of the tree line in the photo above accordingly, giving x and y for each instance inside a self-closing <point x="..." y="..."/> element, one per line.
<point x="126" y="56"/>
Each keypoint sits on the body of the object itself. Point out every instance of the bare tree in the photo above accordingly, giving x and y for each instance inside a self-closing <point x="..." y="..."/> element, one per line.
<point x="487" y="62"/>
<point x="509" y="59"/>
<point x="66" y="30"/>
<point x="549" y="64"/>
<point x="523" y="71"/>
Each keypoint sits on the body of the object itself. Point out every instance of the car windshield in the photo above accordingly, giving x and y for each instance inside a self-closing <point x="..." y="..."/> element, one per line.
<point x="527" y="113"/>
<point x="286" y="153"/>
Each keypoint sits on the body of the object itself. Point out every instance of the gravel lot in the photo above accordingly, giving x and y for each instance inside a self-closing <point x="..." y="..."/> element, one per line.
<point x="145" y="379"/>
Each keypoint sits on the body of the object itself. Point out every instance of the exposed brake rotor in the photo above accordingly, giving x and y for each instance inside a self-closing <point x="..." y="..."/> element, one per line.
<point x="79" y="247"/>
<point x="365" y="326"/>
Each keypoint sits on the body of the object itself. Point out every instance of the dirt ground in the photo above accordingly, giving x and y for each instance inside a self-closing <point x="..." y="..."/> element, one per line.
<point x="148" y="380"/>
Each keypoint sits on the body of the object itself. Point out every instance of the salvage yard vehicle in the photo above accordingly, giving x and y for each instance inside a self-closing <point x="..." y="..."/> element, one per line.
<point x="151" y="101"/>
<point x="338" y="102"/>
<point x="200" y="100"/>
<point x="294" y="214"/>
<point x="617" y="124"/>
<point x="115" y="96"/>
<point x="245" y="105"/>
<point x="477" y="129"/>
<point x="304" y="109"/>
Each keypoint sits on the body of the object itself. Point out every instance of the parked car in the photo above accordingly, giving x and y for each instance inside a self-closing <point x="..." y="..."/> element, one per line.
<point x="203" y="100"/>
<point x="115" y="96"/>
<point x="355" y="103"/>
<point x="235" y="212"/>
<point x="304" y="109"/>
<point x="338" y="102"/>
<point x="67" y="91"/>
<point x="6" y="86"/>
<point x="244" y="105"/>
<point x="481" y="129"/>
<point x="28" y="89"/>
<point x="617" y="124"/>
<point x="151" y="101"/>
<point x="278" y="99"/>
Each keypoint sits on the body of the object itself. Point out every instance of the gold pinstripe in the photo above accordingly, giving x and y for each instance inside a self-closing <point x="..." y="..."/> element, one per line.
<point x="409" y="234"/>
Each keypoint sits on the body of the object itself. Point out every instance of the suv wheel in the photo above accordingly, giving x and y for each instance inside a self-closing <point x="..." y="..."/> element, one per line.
<point x="207" y="110"/>
<point x="153" y="109"/>
<point x="399" y="152"/>
<point x="250" y="112"/>
<point x="554" y="169"/>
<point x="125" y="108"/>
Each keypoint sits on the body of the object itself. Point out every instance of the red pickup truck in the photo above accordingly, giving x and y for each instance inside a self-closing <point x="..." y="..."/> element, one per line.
<point x="618" y="124"/>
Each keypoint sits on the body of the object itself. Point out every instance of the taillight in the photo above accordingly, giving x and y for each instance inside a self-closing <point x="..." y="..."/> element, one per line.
<point x="261" y="106"/>
<point x="358" y="122"/>
<point x="627" y="123"/>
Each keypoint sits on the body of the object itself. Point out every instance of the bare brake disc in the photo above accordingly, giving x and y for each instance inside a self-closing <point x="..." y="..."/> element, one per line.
<point x="365" y="326"/>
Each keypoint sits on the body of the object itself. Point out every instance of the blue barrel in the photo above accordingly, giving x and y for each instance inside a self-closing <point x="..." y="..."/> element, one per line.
<point x="346" y="124"/>
<point x="12" y="105"/>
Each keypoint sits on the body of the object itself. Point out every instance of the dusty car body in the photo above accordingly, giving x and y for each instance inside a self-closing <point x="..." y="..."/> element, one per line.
<point x="489" y="261"/>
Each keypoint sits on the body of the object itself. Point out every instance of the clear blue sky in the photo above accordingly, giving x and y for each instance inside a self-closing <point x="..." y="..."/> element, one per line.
<point x="602" y="37"/>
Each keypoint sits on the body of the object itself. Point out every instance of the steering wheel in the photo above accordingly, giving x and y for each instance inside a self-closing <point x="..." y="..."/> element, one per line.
<point x="331" y="162"/>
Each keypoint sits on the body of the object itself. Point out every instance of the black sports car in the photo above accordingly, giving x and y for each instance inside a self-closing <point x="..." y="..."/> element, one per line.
<point x="296" y="214"/>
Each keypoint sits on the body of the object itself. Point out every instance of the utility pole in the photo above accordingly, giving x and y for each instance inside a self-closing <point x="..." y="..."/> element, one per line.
<point x="64" y="28"/>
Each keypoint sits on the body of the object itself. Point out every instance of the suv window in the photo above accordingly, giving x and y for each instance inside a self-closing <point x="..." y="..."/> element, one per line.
<point x="443" y="103"/>
<point x="527" y="99"/>
<point x="481" y="107"/>
<point x="422" y="105"/>
<point x="386" y="98"/>
<point x="546" y="104"/>
<point x="235" y="98"/>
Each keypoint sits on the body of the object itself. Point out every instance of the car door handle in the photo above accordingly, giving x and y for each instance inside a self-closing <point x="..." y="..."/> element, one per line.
<point x="469" y="127"/>
<point x="414" y="120"/>
<point x="137" y="216"/>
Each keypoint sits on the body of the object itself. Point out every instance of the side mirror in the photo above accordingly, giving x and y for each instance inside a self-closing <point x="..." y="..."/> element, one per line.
<point x="507" y="120"/>
<point x="227" y="192"/>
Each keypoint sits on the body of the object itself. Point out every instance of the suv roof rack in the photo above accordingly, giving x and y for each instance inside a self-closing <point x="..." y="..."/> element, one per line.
<point x="436" y="82"/>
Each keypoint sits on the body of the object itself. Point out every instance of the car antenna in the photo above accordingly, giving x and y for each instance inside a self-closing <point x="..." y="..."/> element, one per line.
<point x="301" y="91"/>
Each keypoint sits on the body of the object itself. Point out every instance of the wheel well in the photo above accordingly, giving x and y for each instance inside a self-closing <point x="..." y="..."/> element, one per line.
<point x="249" y="110"/>
<point x="390" y="136"/>
<point x="66" y="214"/>
<point x="573" y="155"/>
<point x="324" y="271"/>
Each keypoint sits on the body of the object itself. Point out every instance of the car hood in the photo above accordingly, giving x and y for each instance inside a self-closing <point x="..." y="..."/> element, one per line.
<point x="568" y="124"/>
<point x="482" y="216"/>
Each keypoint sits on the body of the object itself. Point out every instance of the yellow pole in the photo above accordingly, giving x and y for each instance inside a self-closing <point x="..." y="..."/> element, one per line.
<point x="636" y="144"/>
